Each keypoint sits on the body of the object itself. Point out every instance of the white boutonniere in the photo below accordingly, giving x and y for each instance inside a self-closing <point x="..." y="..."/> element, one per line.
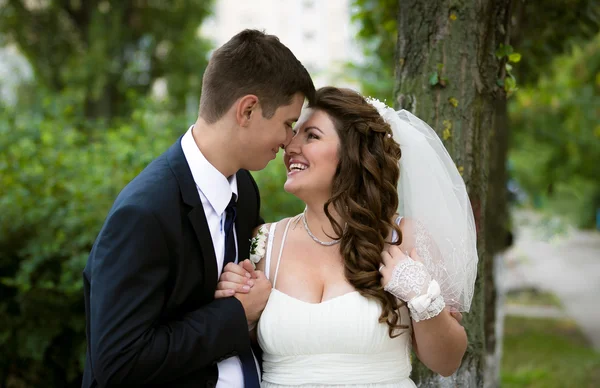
<point x="258" y="245"/>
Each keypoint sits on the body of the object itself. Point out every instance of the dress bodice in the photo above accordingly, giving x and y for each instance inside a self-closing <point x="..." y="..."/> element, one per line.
<point x="336" y="342"/>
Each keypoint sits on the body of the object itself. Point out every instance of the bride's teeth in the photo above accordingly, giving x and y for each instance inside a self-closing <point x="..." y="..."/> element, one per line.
<point x="297" y="167"/>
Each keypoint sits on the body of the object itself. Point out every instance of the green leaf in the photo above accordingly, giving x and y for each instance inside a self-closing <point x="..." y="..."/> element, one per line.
<point x="446" y="133"/>
<point x="504" y="51"/>
<point x="500" y="52"/>
<point x="510" y="84"/>
<point x="434" y="79"/>
<point x="514" y="57"/>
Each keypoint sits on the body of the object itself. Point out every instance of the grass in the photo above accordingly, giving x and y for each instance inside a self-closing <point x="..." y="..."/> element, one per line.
<point x="547" y="353"/>
<point x="532" y="297"/>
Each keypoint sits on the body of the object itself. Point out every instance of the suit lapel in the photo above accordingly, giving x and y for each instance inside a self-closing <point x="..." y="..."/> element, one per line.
<point x="196" y="215"/>
<point x="198" y="219"/>
<point x="245" y="216"/>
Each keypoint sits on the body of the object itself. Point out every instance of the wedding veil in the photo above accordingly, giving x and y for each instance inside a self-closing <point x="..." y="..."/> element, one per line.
<point x="433" y="200"/>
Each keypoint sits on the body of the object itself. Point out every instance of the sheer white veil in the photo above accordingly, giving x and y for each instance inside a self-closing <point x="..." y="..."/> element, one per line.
<point x="433" y="200"/>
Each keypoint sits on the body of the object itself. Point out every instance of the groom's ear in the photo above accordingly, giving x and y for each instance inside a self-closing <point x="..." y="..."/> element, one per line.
<point x="247" y="107"/>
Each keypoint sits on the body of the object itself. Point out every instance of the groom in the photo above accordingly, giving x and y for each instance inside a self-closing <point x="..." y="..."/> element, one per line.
<point x="150" y="278"/>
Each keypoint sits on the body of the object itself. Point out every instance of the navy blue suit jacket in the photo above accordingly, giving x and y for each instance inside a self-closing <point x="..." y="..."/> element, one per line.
<point x="149" y="282"/>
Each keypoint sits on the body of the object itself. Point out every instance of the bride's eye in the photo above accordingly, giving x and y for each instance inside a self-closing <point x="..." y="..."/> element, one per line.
<point x="312" y="136"/>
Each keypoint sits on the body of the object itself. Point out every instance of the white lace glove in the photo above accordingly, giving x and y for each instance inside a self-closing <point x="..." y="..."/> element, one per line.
<point x="407" y="279"/>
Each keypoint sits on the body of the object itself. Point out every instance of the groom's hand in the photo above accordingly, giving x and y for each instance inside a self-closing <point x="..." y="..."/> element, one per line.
<point x="235" y="278"/>
<point x="249" y="267"/>
<point x="254" y="302"/>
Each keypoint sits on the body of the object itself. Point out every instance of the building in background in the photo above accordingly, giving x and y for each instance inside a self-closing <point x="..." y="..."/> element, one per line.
<point x="319" y="33"/>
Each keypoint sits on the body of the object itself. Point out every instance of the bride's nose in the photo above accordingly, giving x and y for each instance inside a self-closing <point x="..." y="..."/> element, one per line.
<point x="293" y="147"/>
<point x="288" y="138"/>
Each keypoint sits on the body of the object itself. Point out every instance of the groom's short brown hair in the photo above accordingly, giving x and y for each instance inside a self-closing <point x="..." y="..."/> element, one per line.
<point x="252" y="62"/>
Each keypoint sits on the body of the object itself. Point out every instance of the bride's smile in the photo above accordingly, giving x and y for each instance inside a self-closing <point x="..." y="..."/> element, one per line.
<point x="312" y="157"/>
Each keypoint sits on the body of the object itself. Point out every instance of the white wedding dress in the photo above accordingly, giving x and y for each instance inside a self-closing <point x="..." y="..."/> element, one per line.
<point x="338" y="342"/>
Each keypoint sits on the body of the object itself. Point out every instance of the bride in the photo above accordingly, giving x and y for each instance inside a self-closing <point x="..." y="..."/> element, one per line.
<point x="341" y="312"/>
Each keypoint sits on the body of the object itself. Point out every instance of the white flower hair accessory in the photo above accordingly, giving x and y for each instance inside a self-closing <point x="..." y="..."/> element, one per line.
<point x="386" y="112"/>
<point x="379" y="105"/>
<point x="258" y="245"/>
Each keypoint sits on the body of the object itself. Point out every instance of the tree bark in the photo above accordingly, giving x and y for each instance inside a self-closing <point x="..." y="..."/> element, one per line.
<point x="499" y="237"/>
<point x="446" y="74"/>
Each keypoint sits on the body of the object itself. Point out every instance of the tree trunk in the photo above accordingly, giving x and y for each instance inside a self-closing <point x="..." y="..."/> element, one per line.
<point x="447" y="73"/>
<point x="499" y="237"/>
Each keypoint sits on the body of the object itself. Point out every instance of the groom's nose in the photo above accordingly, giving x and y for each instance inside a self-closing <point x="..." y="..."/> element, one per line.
<point x="291" y="147"/>
<point x="288" y="138"/>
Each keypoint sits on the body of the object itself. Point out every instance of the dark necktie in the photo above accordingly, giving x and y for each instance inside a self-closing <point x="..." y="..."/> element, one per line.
<point x="251" y="379"/>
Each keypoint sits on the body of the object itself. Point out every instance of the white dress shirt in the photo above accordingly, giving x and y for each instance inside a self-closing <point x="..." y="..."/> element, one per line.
<point x="215" y="193"/>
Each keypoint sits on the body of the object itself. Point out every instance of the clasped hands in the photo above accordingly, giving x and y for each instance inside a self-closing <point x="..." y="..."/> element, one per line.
<point x="251" y="287"/>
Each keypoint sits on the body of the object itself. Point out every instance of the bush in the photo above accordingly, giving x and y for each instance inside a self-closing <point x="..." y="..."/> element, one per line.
<point x="556" y="143"/>
<point x="59" y="175"/>
<point x="58" y="183"/>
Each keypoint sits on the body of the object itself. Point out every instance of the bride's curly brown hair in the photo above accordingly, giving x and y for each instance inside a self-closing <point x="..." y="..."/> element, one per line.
<point x="364" y="193"/>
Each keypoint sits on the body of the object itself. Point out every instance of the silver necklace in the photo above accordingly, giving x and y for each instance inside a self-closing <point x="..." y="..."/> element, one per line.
<point x="315" y="239"/>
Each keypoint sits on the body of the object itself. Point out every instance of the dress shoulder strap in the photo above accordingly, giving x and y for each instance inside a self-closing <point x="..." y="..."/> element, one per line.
<point x="270" y="239"/>
<point x="287" y="226"/>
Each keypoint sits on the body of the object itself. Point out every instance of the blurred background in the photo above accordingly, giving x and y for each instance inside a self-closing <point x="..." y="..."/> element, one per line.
<point x="92" y="90"/>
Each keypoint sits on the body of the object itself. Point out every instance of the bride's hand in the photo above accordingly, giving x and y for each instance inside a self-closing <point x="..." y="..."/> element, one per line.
<point x="456" y="315"/>
<point x="235" y="278"/>
<point x="403" y="276"/>
<point x="407" y="278"/>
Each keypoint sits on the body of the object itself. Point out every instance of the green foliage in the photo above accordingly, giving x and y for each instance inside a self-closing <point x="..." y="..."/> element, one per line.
<point x="436" y="78"/>
<point x="57" y="183"/>
<point x="556" y="142"/>
<point x="56" y="188"/>
<point x="508" y="82"/>
<point x="106" y="53"/>
<point x="542" y="29"/>
<point x="377" y="32"/>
